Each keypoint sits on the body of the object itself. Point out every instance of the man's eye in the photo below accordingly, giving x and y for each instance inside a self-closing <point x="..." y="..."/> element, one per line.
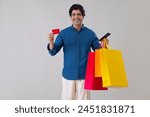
<point x="79" y="14"/>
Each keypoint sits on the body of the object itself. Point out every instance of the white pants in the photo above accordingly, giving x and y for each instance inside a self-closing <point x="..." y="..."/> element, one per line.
<point x="74" y="90"/>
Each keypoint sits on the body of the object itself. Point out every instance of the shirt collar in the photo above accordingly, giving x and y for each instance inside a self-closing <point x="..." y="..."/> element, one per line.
<point x="82" y="27"/>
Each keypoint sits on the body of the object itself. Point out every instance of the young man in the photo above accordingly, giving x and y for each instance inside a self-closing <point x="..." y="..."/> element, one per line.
<point x="77" y="41"/>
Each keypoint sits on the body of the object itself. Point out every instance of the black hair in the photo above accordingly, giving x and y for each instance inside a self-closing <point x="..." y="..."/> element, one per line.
<point x="77" y="7"/>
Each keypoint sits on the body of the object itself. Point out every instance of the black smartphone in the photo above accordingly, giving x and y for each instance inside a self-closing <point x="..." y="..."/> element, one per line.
<point x="105" y="36"/>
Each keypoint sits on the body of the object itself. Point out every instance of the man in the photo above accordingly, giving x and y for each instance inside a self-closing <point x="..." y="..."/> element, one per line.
<point x="77" y="41"/>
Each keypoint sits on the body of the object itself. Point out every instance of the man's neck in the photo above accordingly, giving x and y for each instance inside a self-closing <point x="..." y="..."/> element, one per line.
<point x="78" y="27"/>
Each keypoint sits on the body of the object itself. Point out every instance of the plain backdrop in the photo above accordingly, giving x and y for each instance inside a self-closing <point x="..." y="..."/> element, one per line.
<point x="27" y="71"/>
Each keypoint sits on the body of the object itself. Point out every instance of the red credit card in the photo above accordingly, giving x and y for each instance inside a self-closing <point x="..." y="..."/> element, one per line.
<point x="55" y="31"/>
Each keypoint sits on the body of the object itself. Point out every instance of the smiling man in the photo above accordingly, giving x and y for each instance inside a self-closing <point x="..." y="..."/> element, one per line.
<point x="77" y="41"/>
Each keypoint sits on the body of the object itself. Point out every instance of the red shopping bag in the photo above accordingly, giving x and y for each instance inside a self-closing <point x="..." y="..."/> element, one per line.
<point x="92" y="83"/>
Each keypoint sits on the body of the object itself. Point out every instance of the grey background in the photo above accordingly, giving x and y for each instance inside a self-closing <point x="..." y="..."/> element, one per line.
<point x="27" y="71"/>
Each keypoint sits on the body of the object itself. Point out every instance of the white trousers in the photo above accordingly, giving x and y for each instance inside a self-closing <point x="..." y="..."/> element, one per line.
<point x="74" y="90"/>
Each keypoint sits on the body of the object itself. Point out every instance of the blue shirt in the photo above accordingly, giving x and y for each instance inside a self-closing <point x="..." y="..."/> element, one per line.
<point x="76" y="46"/>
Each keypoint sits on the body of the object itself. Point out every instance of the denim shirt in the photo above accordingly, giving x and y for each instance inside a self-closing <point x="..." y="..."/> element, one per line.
<point x="76" y="46"/>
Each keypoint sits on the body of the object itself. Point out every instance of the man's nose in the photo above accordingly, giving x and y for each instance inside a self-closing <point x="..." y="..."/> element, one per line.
<point x="76" y="16"/>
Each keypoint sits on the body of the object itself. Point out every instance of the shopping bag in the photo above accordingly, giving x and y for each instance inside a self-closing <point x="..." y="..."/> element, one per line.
<point x="92" y="83"/>
<point x="112" y="68"/>
<point x="97" y="63"/>
<point x="104" y="41"/>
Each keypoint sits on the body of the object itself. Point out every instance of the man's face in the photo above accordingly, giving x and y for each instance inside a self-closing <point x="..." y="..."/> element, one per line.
<point x="76" y="17"/>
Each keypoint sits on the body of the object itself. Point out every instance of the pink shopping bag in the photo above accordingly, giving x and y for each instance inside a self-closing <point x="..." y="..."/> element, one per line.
<point x="92" y="83"/>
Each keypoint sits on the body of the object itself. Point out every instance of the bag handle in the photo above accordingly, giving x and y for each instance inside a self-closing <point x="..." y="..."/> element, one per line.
<point x="104" y="41"/>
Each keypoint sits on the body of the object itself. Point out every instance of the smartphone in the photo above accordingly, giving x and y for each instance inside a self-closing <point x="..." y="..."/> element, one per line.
<point x="105" y="36"/>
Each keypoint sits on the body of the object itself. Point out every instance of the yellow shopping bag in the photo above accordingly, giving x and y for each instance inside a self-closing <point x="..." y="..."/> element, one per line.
<point x="112" y="68"/>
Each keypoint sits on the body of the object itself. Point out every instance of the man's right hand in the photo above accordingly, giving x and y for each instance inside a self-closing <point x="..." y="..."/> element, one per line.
<point x="51" y="39"/>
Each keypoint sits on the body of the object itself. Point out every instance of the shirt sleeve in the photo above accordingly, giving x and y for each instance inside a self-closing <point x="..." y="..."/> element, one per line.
<point x="57" y="45"/>
<point x="95" y="43"/>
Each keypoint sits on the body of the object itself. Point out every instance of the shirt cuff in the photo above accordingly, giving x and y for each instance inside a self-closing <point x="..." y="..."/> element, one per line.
<point x="48" y="46"/>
